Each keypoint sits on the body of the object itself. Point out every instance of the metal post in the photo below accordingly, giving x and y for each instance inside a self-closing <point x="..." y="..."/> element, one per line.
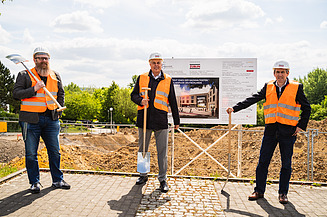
<point x="111" y="119"/>
<point x="313" y="134"/>
<point x="172" y="148"/>
<point x="239" y="156"/>
<point x="307" y="134"/>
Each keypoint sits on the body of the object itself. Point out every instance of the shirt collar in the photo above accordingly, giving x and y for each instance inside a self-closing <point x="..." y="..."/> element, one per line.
<point x="156" y="77"/>
<point x="286" y="82"/>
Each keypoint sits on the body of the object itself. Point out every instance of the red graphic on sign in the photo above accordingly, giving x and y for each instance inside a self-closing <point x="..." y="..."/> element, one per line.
<point x="194" y="66"/>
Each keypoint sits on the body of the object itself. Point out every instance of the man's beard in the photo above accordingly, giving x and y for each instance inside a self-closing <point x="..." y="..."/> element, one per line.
<point x="43" y="68"/>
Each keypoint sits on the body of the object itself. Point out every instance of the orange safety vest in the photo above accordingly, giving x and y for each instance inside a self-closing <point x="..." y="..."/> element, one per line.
<point x="285" y="110"/>
<point x="162" y="91"/>
<point x="41" y="101"/>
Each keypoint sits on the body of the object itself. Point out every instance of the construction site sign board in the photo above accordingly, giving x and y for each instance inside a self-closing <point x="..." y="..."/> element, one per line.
<point x="205" y="88"/>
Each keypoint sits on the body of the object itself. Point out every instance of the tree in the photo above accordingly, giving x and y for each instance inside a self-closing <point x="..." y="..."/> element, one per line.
<point x="81" y="106"/>
<point x="110" y="101"/>
<point x="319" y="111"/>
<point x="134" y="79"/>
<point x="3" y="1"/>
<point x="7" y="82"/>
<point x="126" y="109"/>
<point x="72" y="88"/>
<point x="314" y="85"/>
<point x="6" y="85"/>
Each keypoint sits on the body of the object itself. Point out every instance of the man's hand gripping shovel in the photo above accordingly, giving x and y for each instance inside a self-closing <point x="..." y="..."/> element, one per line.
<point x="16" y="58"/>
<point x="143" y="158"/>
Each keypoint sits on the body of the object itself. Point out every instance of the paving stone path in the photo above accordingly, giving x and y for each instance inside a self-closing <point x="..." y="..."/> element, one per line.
<point x="117" y="195"/>
<point x="186" y="197"/>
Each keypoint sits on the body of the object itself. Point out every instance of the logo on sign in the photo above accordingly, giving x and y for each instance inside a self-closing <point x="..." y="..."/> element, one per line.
<point x="194" y="66"/>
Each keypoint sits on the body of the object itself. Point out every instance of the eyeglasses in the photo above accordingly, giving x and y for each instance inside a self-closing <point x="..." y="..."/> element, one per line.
<point x="154" y="63"/>
<point x="281" y="72"/>
<point x="42" y="58"/>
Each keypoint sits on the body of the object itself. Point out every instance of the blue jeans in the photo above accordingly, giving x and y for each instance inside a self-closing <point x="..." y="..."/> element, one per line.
<point x="268" y="146"/>
<point x="49" y="131"/>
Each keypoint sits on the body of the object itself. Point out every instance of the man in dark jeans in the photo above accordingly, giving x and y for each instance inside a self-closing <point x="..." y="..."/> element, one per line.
<point x="161" y="94"/>
<point x="284" y="100"/>
<point x="38" y="117"/>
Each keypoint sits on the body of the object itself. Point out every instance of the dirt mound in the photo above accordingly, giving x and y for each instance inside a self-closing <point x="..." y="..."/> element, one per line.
<point x="11" y="147"/>
<point x="118" y="152"/>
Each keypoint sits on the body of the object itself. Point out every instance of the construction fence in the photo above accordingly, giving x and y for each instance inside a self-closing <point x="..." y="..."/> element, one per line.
<point x="204" y="152"/>
<point x="210" y="158"/>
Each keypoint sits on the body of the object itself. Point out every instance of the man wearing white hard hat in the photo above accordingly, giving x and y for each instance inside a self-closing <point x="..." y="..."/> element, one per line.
<point x="283" y="120"/>
<point x="38" y="117"/>
<point x="161" y="94"/>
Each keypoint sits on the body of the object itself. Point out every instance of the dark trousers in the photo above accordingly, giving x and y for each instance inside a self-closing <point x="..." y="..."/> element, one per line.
<point x="162" y="149"/>
<point x="268" y="146"/>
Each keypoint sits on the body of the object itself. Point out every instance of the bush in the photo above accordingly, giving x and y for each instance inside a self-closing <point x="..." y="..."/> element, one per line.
<point x="318" y="112"/>
<point x="8" y="115"/>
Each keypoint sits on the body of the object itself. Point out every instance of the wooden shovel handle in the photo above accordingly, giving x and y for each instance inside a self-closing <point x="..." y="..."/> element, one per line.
<point x="144" y="119"/>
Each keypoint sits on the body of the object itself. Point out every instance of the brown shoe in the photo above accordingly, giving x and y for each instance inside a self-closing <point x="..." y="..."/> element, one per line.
<point x="255" y="196"/>
<point x="283" y="198"/>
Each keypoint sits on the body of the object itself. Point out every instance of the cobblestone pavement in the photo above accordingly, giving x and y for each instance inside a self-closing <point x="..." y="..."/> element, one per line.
<point x="117" y="195"/>
<point x="186" y="197"/>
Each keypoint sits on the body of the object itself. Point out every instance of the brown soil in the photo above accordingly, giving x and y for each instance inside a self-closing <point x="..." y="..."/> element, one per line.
<point x="118" y="152"/>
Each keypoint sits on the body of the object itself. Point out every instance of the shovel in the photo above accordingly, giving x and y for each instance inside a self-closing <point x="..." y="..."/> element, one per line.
<point x="229" y="148"/>
<point x="143" y="158"/>
<point x="16" y="58"/>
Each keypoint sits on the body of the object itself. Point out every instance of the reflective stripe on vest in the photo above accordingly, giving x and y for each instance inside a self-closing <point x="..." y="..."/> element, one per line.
<point x="285" y="110"/>
<point x="41" y="101"/>
<point x="162" y="91"/>
<point x="34" y="103"/>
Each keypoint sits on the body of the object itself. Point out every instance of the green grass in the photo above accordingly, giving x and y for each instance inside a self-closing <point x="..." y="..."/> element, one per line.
<point x="6" y="170"/>
<point x="316" y="184"/>
<point x="74" y="130"/>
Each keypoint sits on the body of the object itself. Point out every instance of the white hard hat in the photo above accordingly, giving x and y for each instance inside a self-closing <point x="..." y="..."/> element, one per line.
<point x="41" y="50"/>
<point x="281" y="65"/>
<point x="155" y="56"/>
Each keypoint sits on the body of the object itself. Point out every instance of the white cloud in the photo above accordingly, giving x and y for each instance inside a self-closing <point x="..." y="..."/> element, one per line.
<point x="279" y="19"/>
<point x="98" y="3"/>
<point x="4" y="36"/>
<point x="270" y="21"/>
<point x="323" y="25"/>
<point x="121" y="50"/>
<point x="79" y="21"/>
<point x="28" y="37"/>
<point x="118" y="59"/>
<point x="224" y="13"/>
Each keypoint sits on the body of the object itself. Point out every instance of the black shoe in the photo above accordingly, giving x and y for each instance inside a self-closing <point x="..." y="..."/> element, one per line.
<point x="163" y="186"/>
<point x="62" y="184"/>
<point x="141" y="180"/>
<point x="283" y="198"/>
<point x="35" y="188"/>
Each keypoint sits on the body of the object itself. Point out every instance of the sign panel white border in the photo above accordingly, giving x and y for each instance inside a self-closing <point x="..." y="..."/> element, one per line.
<point x="206" y="87"/>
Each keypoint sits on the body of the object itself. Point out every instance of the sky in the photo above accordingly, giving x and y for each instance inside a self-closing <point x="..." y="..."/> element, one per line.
<point x="93" y="43"/>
